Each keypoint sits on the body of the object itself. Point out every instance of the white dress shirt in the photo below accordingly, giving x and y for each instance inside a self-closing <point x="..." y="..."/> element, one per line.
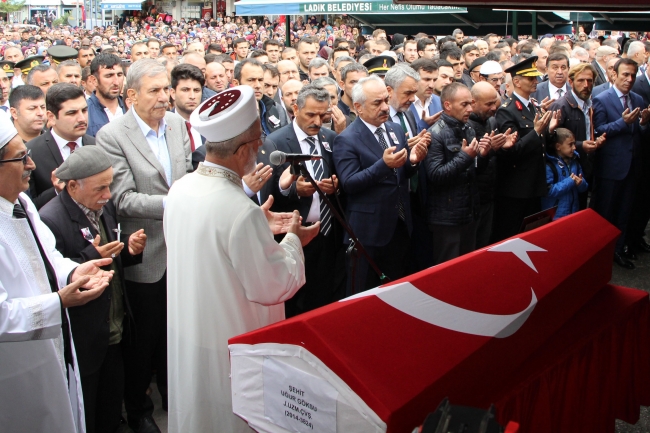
<point x="62" y="143"/>
<point x="373" y="128"/>
<point x="112" y="116"/>
<point x="158" y="144"/>
<point x="553" y="91"/>
<point x="395" y="118"/>
<point x="314" y="211"/>
<point x="420" y="106"/>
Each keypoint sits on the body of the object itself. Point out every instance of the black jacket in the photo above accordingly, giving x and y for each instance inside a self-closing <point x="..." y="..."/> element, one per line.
<point x="90" y="322"/>
<point x="270" y="117"/>
<point x="453" y="197"/>
<point x="573" y="119"/>
<point x="47" y="157"/>
<point x="486" y="171"/>
<point x="521" y="169"/>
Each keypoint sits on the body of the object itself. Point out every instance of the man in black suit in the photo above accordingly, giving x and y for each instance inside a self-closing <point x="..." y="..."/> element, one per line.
<point x="67" y="112"/>
<point x="324" y="259"/>
<point x="402" y="85"/>
<point x="641" y="208"/>
<point x="83" y="221"/>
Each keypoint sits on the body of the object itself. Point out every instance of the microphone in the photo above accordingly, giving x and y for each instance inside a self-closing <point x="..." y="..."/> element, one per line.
<point x="278" y="158"/>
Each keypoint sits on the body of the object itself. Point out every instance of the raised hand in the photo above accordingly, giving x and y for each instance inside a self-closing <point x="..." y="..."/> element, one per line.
<point x="394" y="159"/>
<point x="470" y="149"/>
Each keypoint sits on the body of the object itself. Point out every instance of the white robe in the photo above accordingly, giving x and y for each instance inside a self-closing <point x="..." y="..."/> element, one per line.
<point x="34" y="392"/>
<point x="225" y="276"/>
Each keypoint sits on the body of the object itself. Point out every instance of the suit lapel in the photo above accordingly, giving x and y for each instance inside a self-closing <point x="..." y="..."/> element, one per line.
<point x="412" y="122"/>
<point x="76" y="214"/>
<point x="140" y="142"/>
<point x="292" y="140"/>
<point x="177" y="156"/>
<point x="50" y="142"/>
<point x="369" y="138"/>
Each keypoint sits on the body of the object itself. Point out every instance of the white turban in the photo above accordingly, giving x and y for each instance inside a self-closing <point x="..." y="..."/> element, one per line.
<point x="7" y="130"/>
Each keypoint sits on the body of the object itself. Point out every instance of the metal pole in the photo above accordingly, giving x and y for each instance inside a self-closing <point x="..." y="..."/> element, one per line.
<point x="534" y="25"/>
<point x="515" y="23"/>
<point x="287" y="36"/>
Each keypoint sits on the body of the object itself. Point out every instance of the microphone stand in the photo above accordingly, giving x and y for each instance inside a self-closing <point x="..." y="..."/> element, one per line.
<point x="355" y="246"/>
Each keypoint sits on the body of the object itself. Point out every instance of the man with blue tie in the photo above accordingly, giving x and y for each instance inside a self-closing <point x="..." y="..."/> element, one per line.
<point x="374" y="164"/>
<point x="622" y="115"/>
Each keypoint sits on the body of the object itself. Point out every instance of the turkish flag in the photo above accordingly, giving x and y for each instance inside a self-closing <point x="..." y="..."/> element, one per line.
<point x="455" y="330"/>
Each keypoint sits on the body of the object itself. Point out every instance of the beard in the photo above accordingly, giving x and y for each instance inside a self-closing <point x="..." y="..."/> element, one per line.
<point x="252" y="161"/>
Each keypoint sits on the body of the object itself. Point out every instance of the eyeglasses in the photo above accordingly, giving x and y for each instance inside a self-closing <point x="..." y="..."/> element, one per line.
<point x="23" y="158"/>
<point x="262" y="138"/>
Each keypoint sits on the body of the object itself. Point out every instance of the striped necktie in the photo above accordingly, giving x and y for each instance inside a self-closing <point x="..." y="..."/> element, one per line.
<point x="382" y="140"/>
<point x="317" y="168"/>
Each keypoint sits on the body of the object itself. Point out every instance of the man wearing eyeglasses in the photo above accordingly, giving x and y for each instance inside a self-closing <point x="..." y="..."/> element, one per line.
<point x="492" y="72"/>
<point x="37" y="285"/>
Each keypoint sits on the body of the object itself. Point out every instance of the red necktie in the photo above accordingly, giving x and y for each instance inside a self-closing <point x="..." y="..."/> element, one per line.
<point x="72" y="145"/>
<point x="189" y="131"/>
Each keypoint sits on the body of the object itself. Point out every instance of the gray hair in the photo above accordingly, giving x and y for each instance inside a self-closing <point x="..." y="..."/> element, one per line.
<point x="323" y="81"/>
<point x="352" y="67"/>
<point x="358" y="94"/>
<point x="67" y="63"/>
<point x="635" y="47"/>
<point x="312" y="91"/>
<point x="38" y="68"/>
<point x="398" y="74"/>
<point x="580" y="52"/>
<point x="143" y="68"/>
<point x="318" y="62"/>
<point x="341" y="59"/>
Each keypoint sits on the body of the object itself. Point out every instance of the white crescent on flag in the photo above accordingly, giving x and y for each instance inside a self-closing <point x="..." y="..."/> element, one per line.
<point x="412" y="301"/>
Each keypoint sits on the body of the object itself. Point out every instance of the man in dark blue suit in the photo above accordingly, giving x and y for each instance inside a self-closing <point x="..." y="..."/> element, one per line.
<point x="374" y="164"/>
<point x="641" y="209"/>
<point x="623" y="116"/>
<point x="324" y="256"/>
<point x="557" y="66"/>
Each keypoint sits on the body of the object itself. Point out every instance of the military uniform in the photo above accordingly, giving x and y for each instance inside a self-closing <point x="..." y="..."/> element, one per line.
<point x="521" y="169"/>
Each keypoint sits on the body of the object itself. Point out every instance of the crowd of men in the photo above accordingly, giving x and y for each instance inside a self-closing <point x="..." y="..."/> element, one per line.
<point x="429" y="148"/>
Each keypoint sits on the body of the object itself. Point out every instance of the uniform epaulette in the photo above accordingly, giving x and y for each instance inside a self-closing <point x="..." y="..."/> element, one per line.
<point x="508" y="101"/>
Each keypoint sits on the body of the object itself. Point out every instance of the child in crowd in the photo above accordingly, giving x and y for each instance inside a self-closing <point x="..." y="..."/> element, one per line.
<point x="563" y="175"/>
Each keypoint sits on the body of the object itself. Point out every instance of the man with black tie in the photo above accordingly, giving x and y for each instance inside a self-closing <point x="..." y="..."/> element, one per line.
<point x="84" y="223"/>
<point x="67" y="112"/>
<point x="324" y="264"/>
<point x="374" y="164"/>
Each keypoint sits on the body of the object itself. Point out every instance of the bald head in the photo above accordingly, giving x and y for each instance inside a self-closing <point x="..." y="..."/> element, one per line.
<point x="288" y="71"/>
<point x="290" y="91"/>
<point x="195" y="59"/>
<point x="486" y="99"/>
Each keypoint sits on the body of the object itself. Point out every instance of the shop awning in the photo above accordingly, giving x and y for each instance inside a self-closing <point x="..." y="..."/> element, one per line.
<point x="121" y="5"/>
<point x="326" y="7"/>
<point x="542" y="5"/>
<point x="43" y="3"/>
<point x="637" y="21"/>
<point x="72" y="2"/>
<point x="474" y="22"/>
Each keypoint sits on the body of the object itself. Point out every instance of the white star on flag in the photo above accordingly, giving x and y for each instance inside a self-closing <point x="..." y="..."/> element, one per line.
<point x="519" y="248"/>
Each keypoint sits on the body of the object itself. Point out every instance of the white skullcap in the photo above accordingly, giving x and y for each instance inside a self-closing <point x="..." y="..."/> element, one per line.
<point x="7" y="131"/>
<point x="226" y="115"/>
<point x="490" y="67"/>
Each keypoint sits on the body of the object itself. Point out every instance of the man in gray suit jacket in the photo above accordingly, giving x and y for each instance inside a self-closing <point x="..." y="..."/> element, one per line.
<point x="150" y="149"/>
<point x="557" y="66"/>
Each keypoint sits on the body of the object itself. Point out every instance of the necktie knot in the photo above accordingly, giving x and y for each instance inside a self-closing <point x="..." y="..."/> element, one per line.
<point x="72" y="145"/>
<point x="19" y="212"/>
<point x="559" y="93"/>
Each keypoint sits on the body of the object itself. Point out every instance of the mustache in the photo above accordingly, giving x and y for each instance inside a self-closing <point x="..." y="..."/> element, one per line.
<point x="160" y="106"/>
<point x="26" y="173"/>
<point x="384" y="113"/>
<point x="314" y="126"/>
<point x="81" y="124"/>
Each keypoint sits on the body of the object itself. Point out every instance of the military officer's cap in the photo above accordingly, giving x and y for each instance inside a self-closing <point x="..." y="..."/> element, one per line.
<point x="27" y="64"/>
<point x="525" y="68"/>
<point x="59" y="53"/>
<point x="8" y="67"/>
<point x="379" y="65"/>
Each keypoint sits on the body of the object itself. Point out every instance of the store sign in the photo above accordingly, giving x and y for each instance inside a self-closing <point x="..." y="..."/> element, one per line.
<point x="373" y="7"/>
<point x="122" y="6"/>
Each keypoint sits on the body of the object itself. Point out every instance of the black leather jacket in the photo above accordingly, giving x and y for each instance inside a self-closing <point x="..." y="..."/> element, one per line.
<point x="453" y="197"/>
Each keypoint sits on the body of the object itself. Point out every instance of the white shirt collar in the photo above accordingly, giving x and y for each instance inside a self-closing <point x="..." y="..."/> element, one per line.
<point x="300" y="134"/>
<point x="618" y="92"/>
<point x="580" y="102"/>
<point x="146" y="129"/>
<point x="62" y="142"/>
<point x="373" y="128"/>
<point x="552" y="90"/>
<point x="521" y="98"/>
<point x="6" y="207"/>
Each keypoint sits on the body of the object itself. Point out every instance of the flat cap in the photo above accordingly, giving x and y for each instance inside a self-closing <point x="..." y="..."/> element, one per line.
<point x="84" y="162"/>
<point x="477" y="63"/>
